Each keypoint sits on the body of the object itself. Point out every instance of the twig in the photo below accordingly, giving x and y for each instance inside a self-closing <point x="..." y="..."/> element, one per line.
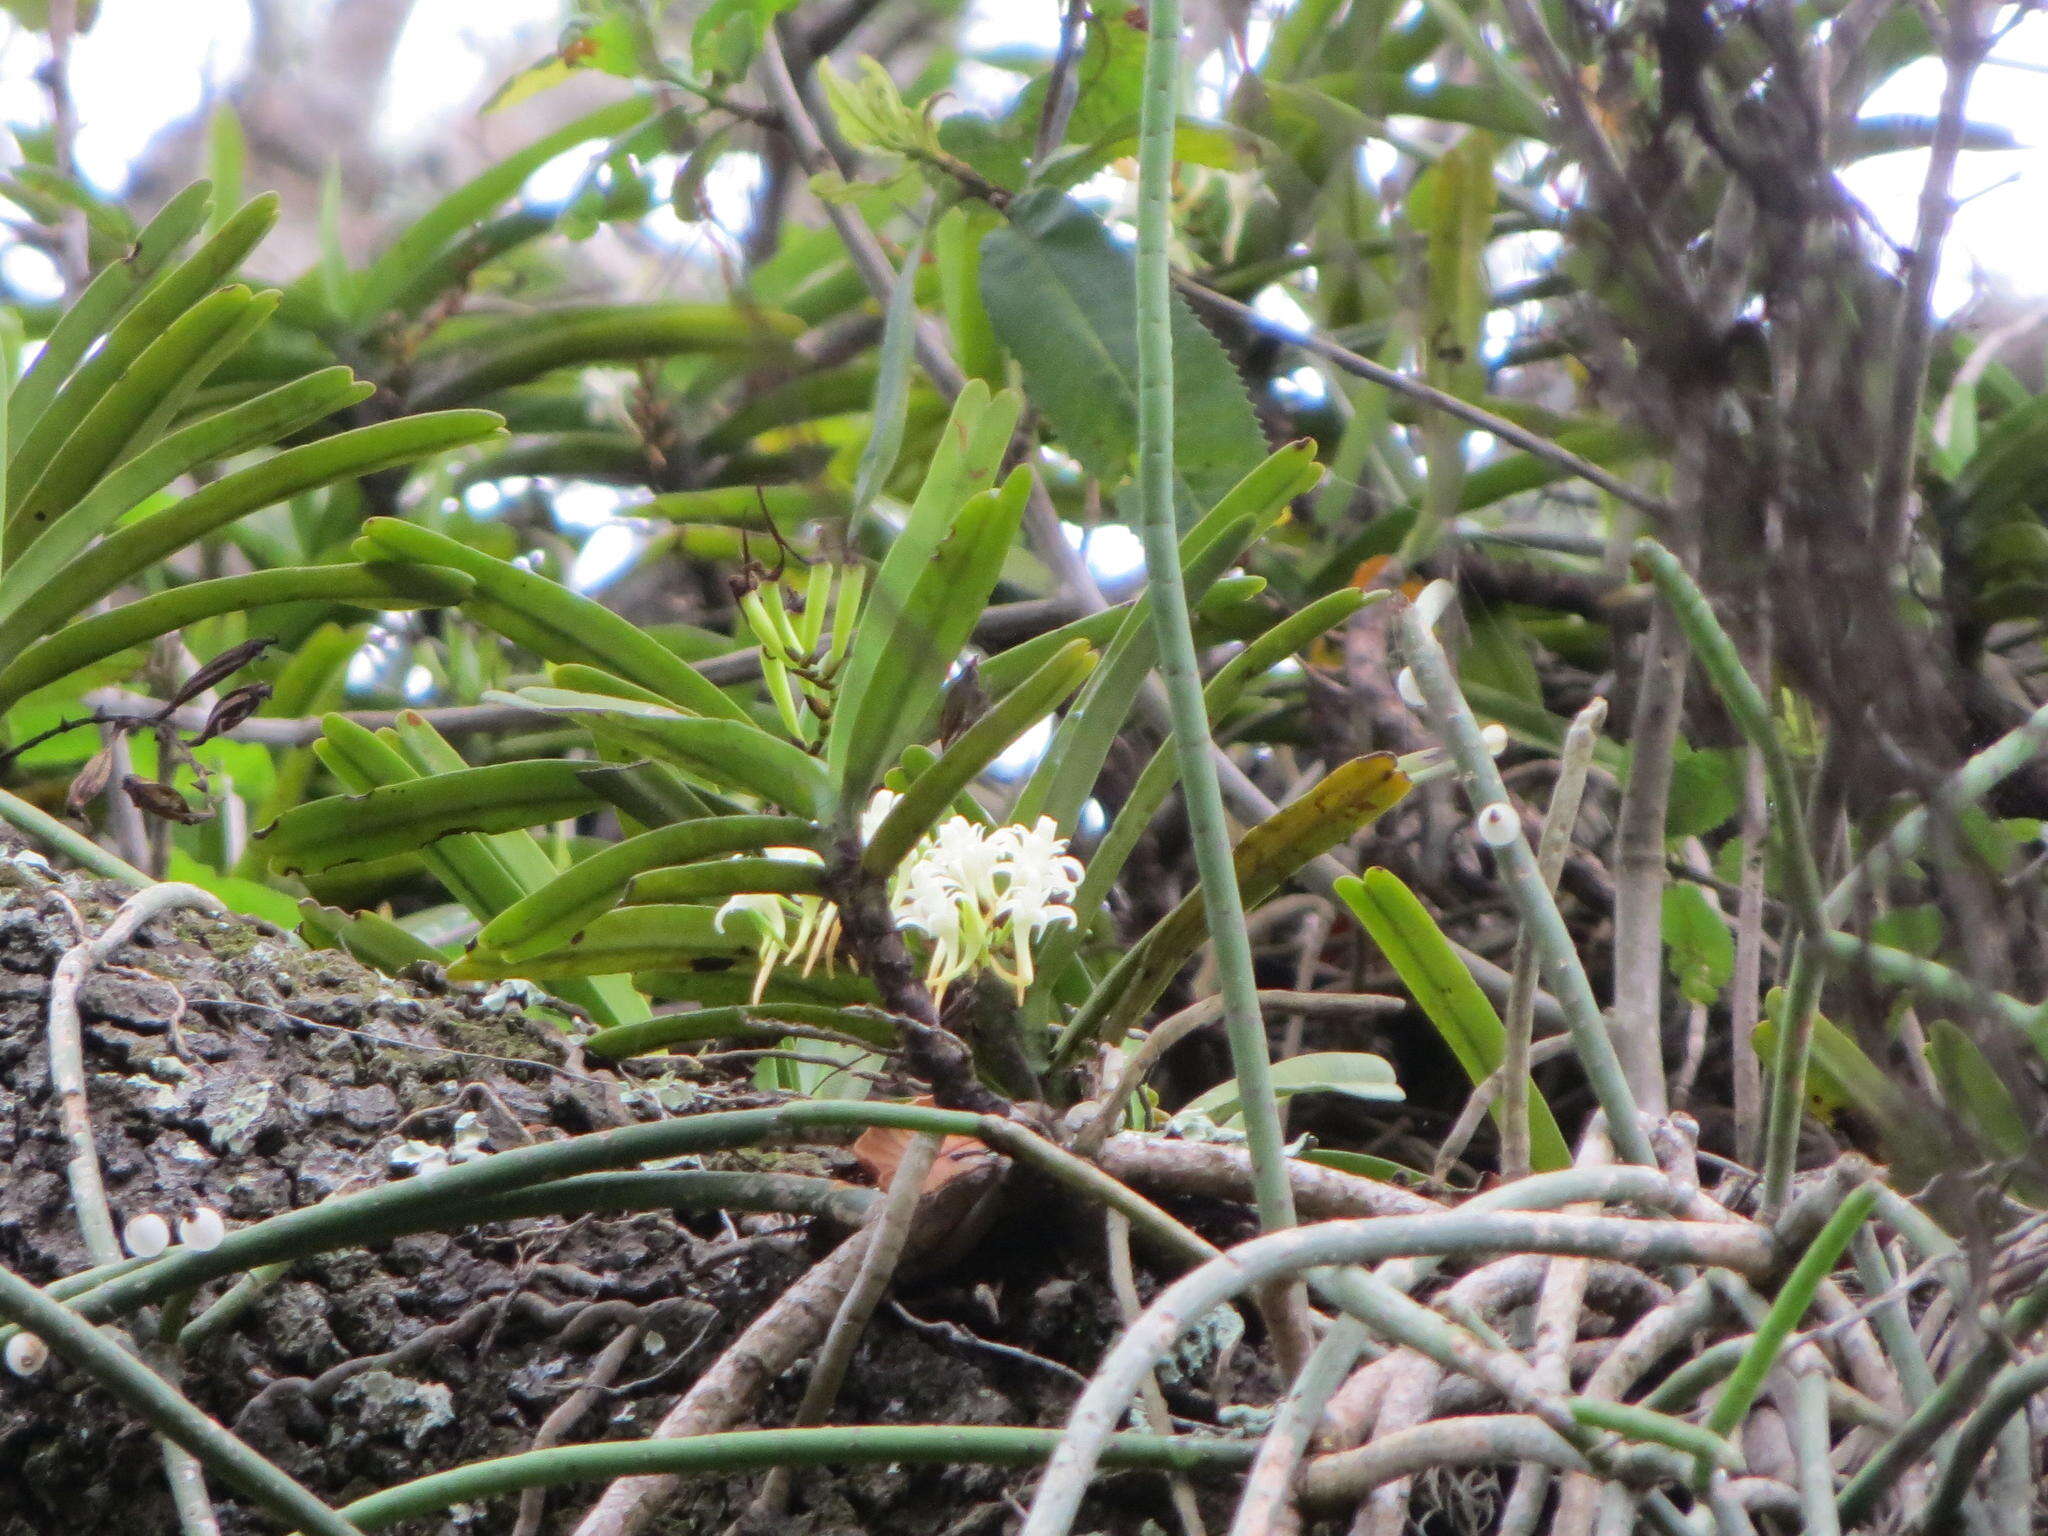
<point x="1429" y="396"/>
<point x="1745" y="1006"/>
<point x="1123" y="1285"/>
<point x="1639" y="860"/>
<point x="568" y="1413"/>
<point x="891" y="1227"/>
<point x="1913" y="333"/>
<point x="1061" y="88"/>
<point x="726" y="1392"/>
<point x="166" y="1410"/>
<point x="1574" y="762"/>
<point x="67" y="1053"/>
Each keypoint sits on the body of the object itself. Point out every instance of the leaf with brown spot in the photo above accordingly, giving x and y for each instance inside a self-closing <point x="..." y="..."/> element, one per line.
<point x="1346" y="799"/>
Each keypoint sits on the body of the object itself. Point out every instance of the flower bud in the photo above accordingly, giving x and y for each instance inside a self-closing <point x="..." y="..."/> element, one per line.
<point x="1410" y="690"/>
<point x="1496" y="739"/>
<point x="203" y="1229"/>
<point x="146" y="1235"/>
<point x="26" y="1354"/>
<point x="1497" y="824"/>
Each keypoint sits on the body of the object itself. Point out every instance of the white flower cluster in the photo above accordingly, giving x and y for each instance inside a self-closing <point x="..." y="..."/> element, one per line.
<point x="979" y="897"/>
<point x="982" y="895"/>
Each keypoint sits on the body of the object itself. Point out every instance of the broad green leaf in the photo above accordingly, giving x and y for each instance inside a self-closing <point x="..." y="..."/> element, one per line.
<point x="1977" y="1093"/>
<point x="728" y="34"/>
<point x="1351" y="1073"/>
<point x="1699" y="951"/>
<point x="1445" y="991"/>
<point x="1061" y="294"/>
<point x="1706" y="790"/>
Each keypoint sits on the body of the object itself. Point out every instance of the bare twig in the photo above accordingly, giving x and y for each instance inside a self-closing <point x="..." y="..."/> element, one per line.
<point x="1123" y="1283"/>
<point x="568" y="1413"/>
<point x="1913" y="332"/>
<point x="67" y="1053"/>
<point x="1574" y="762"/>
<point x="891" y="1228"/>
<point x="727" y="1392"/>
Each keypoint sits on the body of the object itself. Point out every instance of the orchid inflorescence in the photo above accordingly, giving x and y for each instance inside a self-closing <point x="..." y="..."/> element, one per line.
<point x="978" y="896"/>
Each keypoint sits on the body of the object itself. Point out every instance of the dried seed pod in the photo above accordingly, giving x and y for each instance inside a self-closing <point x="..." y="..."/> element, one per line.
<point x="222" y="667"/>
<point x="232" y="710"/>
<point x="154" y="799"/>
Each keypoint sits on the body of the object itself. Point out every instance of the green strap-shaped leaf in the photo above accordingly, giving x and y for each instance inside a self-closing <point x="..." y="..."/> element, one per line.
<point x="1061" y="294"/>
<point x="754" y="1021"/>
<point x="735" y="753"/>
<point x="110" y="292"/>
<point x="485" y="874"/>
<point x="726" y="877"/>
<point x="135" y="406"/>
<point x="400" y="817"/>
<point x="254" y="423"/>
<point x="1065" y="778"/>
<point x="1220" y="696"/>
<point x="622" y="941"/>
<point x="1352" y="1073"/>
<point x="922" y="640"/>
<point x="892" y="383"/>
<point x="1445" y="991"/>
<point x="86" y="641"/>
<point x="931" y="795"/>
<point x="1346" y="799"/>
<point x="969" y="453"/>
<point x="387" y="276"/>
<point x="589" y="888"/>
<point x="122" y="554"/>
<point x="376" y="941"/>
<point x="514" y="353"/>
<point x="554" y="622"/>
<point x="148" y="318"/>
